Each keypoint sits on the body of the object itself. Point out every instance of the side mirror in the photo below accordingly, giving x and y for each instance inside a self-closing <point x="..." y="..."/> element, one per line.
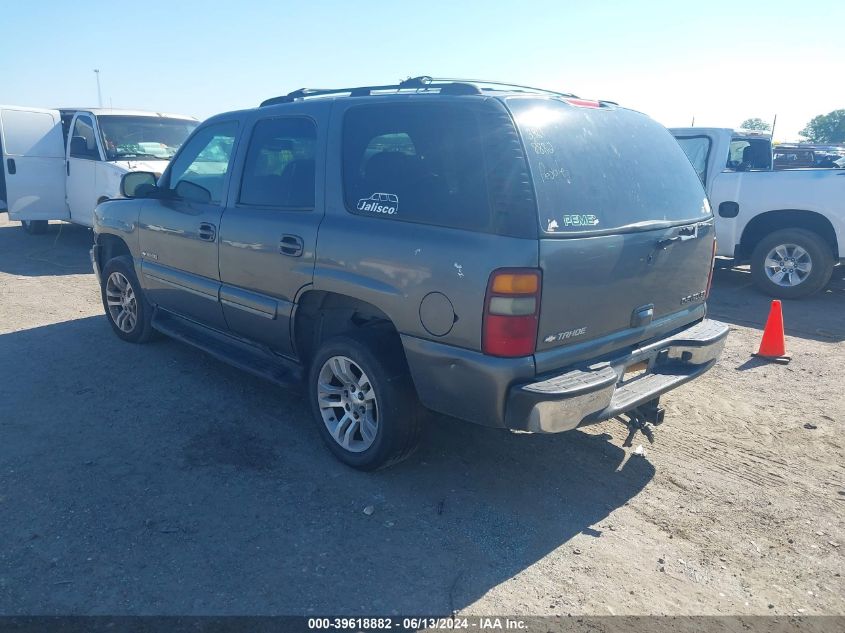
<point x="193" y="192"/>
<point x="132" y="185"/>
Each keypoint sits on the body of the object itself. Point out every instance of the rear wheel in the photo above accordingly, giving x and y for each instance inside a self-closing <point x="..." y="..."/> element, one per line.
<point x="34" y="227"/>
<point x="791" y="263"/>
<point x="363" y="400"/>
<point x="127" y="310"/>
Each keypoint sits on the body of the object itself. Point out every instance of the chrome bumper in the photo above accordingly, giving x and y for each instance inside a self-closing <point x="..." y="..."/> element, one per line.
<point x="598" y="392"/>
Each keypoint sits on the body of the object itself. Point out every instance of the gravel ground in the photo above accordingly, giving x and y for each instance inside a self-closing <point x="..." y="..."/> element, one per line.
<point x="155" y="480"/>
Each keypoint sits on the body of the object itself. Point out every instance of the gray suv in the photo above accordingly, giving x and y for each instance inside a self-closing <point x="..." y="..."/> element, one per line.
<point x="510" y="256"/>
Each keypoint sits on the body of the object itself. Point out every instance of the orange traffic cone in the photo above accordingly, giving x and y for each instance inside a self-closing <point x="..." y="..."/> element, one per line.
<point x="773" y="345"/>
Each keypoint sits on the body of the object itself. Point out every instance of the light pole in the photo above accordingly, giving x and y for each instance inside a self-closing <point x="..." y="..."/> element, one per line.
<point x="99" y="92"/>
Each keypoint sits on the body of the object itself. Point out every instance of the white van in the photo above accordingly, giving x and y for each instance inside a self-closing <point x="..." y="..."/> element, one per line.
<point x="60" y="164"/>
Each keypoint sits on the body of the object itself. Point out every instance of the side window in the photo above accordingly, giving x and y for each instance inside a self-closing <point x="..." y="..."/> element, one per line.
<point x="735" y="153"/>
<point x="279" y="170"/>
<point x="418" y="163"/>
<point x="750" y="155"/>
<point x="83" y="140"/>
<point x="697" y="149"/>
<point x="204" y="161"/>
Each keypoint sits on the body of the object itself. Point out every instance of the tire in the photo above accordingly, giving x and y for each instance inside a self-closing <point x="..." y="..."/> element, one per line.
<point x="377" y="359"/>
<point x="117" y="272"/>
<point x="34" y="227"/>
<point x="813" y="254"/>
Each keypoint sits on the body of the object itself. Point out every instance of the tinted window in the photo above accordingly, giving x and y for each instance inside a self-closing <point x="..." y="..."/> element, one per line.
<point x="697" y="149"/>
<point x="279" y="167"/>
<point x="605" y="168"/>
<point x="418" y="163"/>
<point x="83" y="141"/>
<point x="205" y="159"/>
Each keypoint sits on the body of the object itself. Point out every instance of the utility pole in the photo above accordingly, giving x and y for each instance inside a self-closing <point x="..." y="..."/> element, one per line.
<point x="99" y="92"/>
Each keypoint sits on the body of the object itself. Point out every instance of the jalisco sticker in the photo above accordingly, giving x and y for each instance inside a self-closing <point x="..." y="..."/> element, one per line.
<point x="385" y="203"/>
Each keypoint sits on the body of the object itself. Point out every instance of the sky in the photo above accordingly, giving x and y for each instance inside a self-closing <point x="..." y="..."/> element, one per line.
<point x="716" y="61"/>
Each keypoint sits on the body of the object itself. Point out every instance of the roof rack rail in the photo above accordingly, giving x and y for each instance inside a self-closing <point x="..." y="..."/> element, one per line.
<point x="503" y="84"/>
<point x="423" y="83"/>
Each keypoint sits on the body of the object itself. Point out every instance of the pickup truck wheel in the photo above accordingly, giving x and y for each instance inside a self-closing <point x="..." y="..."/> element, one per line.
<point x="791" y="263"/>
<point x="363" y="401"/>
<point x="34" y="227"/>
<point x="127" y="310"/>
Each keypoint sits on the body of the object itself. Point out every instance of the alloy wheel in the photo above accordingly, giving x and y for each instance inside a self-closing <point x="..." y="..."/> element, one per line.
<point x="788" y="265"/>
<point x="121" y="301"/>
<point x="348" y="404"/>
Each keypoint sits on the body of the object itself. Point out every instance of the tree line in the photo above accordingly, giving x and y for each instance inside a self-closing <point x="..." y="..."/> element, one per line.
<point x="824" y="128"/>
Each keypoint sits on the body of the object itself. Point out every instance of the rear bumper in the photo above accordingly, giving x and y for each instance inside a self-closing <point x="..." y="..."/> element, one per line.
<point x="597" y="392"/>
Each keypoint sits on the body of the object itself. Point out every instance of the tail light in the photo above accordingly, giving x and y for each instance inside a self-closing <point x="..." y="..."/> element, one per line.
<point x="511" y="312"/>
<point x="712" y="266"/>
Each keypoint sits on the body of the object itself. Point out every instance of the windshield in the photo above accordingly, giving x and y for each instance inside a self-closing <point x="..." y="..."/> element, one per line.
<point x="143" y="137"/>
<point x="604" y="169"/>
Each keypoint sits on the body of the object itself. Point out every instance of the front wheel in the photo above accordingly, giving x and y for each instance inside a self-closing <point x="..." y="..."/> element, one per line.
<point x="34" y="227"/>
<point x="363" y="400"/>
<point x="791" y="263"/>
<point x="128" y="312"/>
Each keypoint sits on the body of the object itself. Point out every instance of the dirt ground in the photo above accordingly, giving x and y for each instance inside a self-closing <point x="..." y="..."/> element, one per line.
<point x="155" y="480"/>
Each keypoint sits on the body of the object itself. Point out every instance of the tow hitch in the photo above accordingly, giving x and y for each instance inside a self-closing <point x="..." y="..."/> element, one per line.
<point x="644" y="418"/>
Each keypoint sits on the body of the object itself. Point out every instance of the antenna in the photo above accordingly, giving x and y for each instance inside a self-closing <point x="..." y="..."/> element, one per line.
<point x="774" y="123"/>
<point x="99" y="92"/>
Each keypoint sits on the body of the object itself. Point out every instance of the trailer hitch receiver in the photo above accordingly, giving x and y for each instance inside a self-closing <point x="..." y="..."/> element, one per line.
<point x="643" y="418"/>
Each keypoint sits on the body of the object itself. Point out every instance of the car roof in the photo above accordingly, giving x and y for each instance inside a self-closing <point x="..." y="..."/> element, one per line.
<point x="415" y="88"/>
<point x="423" y="84"/>
<point x="126" y="112"/>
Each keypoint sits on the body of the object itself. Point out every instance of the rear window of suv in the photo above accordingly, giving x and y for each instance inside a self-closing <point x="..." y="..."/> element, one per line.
<point x="605" y="169"/>
<point x="447" y="164"/>
<point x="418" y="163"/>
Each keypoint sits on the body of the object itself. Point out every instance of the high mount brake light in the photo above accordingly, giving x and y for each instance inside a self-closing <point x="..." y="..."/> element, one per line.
<point x="583" y="103"/>
<point x="511" y="312"/>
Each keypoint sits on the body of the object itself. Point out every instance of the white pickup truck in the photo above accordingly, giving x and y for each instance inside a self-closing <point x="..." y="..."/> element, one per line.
<point x="60" y="164"/>
<point x="788" y="223"/>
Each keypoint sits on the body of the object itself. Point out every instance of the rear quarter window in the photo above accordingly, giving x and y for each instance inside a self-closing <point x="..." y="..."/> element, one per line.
<point x="697" y="149"/>
<point x="440" y="164"/>
<point x="605" y="169"/>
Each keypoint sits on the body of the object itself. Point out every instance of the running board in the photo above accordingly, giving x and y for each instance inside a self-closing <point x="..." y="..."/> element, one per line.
<point x="246" y="356"/>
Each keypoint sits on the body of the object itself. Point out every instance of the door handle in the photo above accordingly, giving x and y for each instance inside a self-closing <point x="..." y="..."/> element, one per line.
<point x="12" y="168"/>
<point x="642" y="316"/>
<point x="291" y="245"/>
<point x="207" y="232"/>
